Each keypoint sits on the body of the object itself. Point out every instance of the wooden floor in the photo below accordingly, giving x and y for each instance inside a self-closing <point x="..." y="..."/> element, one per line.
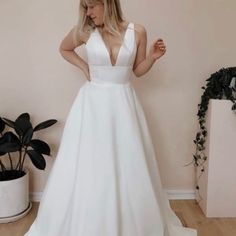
<point x="187" y="210"/>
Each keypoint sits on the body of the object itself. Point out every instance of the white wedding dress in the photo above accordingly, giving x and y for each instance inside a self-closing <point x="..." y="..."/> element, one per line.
<point x="105" y="179"/>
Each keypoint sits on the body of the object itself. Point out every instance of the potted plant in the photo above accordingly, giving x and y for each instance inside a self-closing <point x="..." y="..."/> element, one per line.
<point x="220" y="85"/>
<point x="14" y="148"/>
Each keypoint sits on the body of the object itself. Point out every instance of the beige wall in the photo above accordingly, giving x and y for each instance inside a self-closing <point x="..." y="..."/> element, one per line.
<point x="200" y="39"/>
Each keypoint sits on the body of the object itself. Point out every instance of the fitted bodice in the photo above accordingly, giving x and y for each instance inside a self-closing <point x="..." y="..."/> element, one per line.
<point x="99" y="61"/>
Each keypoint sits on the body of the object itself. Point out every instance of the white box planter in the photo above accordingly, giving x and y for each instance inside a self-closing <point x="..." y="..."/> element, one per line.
<point x="14" y="198"/>
<point x="217" y="184"/>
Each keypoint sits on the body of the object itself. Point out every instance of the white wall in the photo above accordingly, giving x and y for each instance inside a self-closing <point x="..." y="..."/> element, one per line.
<point x="200" y="39"/>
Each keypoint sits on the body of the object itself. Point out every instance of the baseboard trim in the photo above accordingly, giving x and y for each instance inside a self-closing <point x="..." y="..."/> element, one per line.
<point x="173" y="194"/>
<point x="35" y="196"/>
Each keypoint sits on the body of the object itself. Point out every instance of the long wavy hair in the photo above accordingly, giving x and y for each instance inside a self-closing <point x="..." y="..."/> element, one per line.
<point x="112" y="18"/>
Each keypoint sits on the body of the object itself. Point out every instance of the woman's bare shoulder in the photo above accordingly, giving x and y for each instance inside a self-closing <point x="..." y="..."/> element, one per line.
<point x="140" y="29"/>
<point x="140" y="32"/>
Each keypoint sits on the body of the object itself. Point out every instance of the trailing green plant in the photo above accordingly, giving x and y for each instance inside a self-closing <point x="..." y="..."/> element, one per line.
<point x="21" y="141"/>
<point x="220" y="85"/>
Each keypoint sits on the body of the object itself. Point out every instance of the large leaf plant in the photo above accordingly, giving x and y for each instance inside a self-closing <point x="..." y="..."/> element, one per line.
<point x="22" y="142"/>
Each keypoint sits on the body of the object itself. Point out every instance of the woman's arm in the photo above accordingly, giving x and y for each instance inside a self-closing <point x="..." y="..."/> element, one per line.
<point x="144" y="62"/>
<point x="67" y="46"/>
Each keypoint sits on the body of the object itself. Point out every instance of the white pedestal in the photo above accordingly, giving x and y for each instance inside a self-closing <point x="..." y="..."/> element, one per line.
<point x="218" y="182"/>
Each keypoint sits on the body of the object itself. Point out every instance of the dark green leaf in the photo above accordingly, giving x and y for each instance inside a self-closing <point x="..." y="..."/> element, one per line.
<point x="2" y="125"/>
<point x="9" y="137"/>
<point x="40" y="146"/>
<point x="9" y="142"/>
<point x="45" y="124"/>
<point x="23" y="116"/>
<point x="28" y="136"/>
<point x="23" y="123"/>
<point x="10" y="147"/>
<point x="37" y="159"/>
<point x="234" y="107"/>
<point x="9" y="122"/>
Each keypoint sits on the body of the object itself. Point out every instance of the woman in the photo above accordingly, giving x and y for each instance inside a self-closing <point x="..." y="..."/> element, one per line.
<point x="105" y="179"/>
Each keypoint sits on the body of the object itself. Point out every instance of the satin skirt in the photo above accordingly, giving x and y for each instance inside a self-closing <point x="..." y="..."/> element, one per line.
<point x="105" y="179"/>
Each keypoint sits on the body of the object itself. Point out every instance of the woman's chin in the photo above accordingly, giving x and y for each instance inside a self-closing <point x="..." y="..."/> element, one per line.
<point x="98" y="23"/>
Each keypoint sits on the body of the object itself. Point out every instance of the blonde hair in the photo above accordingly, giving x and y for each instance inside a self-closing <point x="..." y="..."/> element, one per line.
<point x="112" y="18"/>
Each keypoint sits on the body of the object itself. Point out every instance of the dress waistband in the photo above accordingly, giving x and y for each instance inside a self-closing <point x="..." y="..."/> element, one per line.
<point x="110" y="74"/>
<point x="107" y="84"/>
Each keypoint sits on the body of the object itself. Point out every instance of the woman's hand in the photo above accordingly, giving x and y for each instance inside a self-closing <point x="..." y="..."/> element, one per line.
<point x="157" y="49"/>
<point x="67" y="50"/>
<point x="85" y="69"/>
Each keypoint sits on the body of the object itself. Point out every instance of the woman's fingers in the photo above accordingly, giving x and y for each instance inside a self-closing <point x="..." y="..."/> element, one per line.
<point x="160" y="44"/>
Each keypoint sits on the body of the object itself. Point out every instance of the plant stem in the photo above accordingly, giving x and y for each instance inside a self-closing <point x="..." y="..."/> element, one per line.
<point x="22" y="164"/>
<point x="18" y="164"/>
<point x="2" y="166"/>
<point x="9" y="156"/>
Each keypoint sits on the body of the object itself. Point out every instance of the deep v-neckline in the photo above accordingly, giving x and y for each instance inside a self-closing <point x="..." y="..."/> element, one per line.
<point x="120" y="48"/>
